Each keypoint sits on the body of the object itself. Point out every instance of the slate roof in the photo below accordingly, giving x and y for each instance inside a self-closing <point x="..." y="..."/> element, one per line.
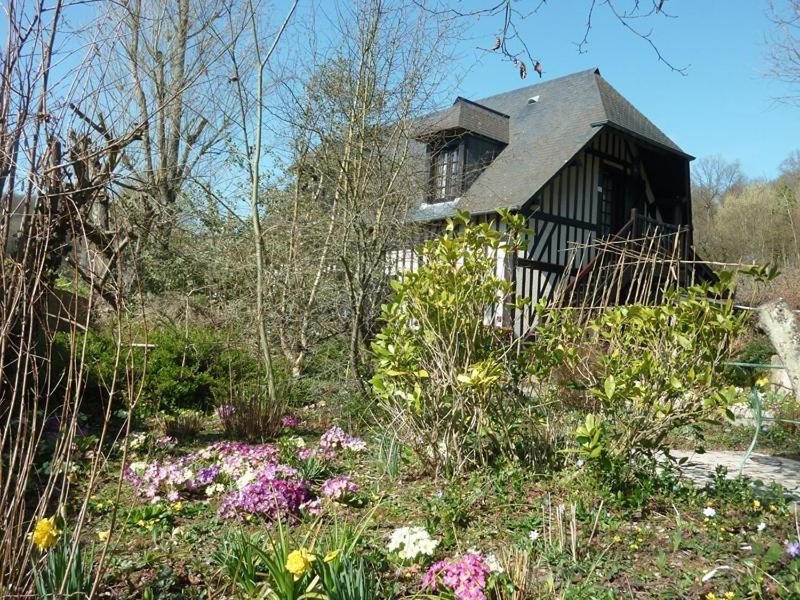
<point x="544" y="136"/>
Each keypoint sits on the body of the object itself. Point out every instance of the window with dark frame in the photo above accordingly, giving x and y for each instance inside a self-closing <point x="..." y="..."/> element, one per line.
<point x="446" y="171"/>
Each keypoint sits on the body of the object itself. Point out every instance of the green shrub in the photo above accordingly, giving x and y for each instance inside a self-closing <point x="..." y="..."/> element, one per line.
<point x="446" y="378"/>
<point x="648" y="370"/>
<point x="177" y="369"/>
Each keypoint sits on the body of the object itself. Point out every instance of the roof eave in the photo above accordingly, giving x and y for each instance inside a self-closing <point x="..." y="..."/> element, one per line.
<point x="643" y="138"/>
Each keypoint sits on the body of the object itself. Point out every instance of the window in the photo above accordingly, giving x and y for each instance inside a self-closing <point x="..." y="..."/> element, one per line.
<point x="446" y="172"/>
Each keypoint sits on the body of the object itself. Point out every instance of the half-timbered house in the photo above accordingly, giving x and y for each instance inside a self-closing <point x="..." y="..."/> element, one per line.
<point x="572" y="154"/>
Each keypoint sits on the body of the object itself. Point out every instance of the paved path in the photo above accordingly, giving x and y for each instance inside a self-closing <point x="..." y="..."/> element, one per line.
<point x="760" y="467"/>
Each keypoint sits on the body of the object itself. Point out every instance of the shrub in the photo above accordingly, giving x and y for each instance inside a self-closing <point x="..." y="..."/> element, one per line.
<point x="179" y="369"/>
<point x="648" y="369"/>
<point x="446" y="377"/>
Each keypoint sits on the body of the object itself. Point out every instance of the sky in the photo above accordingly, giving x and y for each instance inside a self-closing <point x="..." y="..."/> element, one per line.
<point x="725" y="104"/>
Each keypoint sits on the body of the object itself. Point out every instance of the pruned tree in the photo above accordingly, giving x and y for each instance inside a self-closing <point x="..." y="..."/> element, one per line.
<point x="168" y="67"/>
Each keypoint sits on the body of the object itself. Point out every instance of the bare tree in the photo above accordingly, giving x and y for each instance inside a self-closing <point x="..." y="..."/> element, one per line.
<point x="713" y="177"/>
<point x="168" y="61"/>
<point x="57" y="165"/>
<point x="634" y="16"/>
<point x="784" y="46"/>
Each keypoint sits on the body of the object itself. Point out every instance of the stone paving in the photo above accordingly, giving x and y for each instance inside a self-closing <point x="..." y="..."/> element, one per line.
<point x="760" y="468"/>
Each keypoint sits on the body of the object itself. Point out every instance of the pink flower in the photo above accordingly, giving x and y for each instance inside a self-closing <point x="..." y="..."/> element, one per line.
<point x="338" y="488"/>
<point x="290" y="422"/>
<point x="466" y="576"/>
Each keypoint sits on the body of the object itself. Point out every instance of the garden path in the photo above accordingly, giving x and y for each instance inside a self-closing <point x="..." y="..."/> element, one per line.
<point x="759" y="467"/>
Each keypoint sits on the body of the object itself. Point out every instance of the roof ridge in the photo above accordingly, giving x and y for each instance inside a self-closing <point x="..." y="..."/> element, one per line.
<point x="576" y="74"/>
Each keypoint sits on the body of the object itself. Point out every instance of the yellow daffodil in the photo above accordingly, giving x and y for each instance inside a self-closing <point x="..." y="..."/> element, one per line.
<point x="762" y="382"/>
<point x="46" y="533"/>
<point x="711" y="596"/>
<point x="103" y="535"/>
<point x="729" y="596"/>
<point x="331" y="555"/>
<point x="773" y="508"/>
<point x="298" y="563"/>
<point x="757" y="504"/>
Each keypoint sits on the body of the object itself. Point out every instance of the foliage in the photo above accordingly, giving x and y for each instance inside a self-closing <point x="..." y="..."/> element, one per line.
<point x="446" y="377"/>
<point x="183" y="425"/>
<point x="178" y="369"/>
<point x="64" y="572"/>
<point x="647" y="370"/>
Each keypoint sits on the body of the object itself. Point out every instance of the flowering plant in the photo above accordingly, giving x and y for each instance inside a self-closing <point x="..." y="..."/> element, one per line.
<point x="340" y="488"/>
<point x="411" y="542"/>
<point x="468" y="576"/>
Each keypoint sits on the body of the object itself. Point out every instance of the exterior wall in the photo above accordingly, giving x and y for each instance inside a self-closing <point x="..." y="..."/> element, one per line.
<point x="566" y="217"/>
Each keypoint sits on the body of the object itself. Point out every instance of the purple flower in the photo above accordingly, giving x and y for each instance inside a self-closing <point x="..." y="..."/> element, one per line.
<point x="793" y="549"/>
<point x="207" y="475"/>
<point x="268" y="498"/>
<point x="339" y="487"/>
<point x="290" y="422"/>
<point x="166" y="441"/>
<point x="466" y="576"/>
<point x="335" y="438"/>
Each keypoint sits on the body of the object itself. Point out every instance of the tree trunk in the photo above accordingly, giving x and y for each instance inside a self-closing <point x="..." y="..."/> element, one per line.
<point x="781" y="324"/>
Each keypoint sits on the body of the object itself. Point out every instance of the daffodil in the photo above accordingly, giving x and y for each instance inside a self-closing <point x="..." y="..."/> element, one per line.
<point x="331" y="555"/>
<point x="298" y="563"/>
<point x="46" y="533"/>
<point x="757" y="504"/>
<point x="103" y="535"/>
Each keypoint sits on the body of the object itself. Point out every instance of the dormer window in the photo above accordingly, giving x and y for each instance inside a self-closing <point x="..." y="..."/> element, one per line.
<point x="461" y="142"/>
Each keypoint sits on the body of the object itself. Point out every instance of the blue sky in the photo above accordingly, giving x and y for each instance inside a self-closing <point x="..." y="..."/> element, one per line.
<point x="724" y="105"/>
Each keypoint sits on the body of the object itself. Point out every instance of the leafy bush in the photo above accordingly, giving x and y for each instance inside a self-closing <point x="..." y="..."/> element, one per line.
<point x="178" y="370"/>
<point x="446" y="377"/>
<point x="648" y="370"/>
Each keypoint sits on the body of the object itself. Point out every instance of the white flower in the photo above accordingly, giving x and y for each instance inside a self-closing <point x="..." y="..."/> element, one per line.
<point x="214" y="488"/>
<point x="709" y="512"/>
<point x="761" y="526"/>
<point x="493" y="563"/>
<point x="533" y="535"/>
<point x="246" y="479"/>
<point x="138" y="467"/>
<point x="410" y="542"/>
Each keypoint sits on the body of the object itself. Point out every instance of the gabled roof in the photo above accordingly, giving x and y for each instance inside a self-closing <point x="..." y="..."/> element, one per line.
<point x="545" y="135"/>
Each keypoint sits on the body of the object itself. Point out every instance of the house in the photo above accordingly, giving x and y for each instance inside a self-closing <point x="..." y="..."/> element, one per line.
<point x="572" y="154"/>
